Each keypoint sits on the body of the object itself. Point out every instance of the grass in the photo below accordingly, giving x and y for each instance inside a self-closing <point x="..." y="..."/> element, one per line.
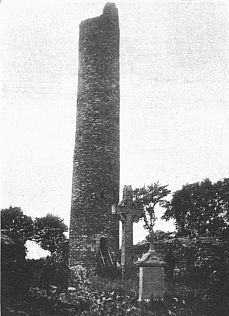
<point x="120" y="297"/>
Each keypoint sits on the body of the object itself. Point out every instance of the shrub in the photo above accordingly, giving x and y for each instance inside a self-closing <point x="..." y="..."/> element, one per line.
<point x="13" y="266"/>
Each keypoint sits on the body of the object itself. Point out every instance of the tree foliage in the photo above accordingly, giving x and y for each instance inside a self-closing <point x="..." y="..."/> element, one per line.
<point x="16" y="224"/>
<point x="14" y="279"/>
<point x="201" y="208"/>
<point x="49" y="232"/>
<point x="149" y="198"/>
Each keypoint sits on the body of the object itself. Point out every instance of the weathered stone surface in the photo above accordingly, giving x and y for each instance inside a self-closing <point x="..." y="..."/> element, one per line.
<point x="151" y="283"/>
<point x="151" y="277"/>
<point x="129" y="213"/>
<point x="95" y="185"/>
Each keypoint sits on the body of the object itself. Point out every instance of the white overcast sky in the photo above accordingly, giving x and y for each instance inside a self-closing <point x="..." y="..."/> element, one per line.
<point x="174" y="96"/>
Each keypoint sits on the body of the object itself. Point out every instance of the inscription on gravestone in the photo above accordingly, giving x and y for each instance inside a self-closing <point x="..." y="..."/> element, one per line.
<point x="151" y="282"/>
<point x="151" y="277"/>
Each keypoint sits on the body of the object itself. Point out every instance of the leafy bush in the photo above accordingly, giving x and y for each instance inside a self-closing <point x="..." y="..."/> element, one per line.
<point x="93" y="295"/>
<point x="15" y="223"/>
<point x="49" y="233"/>
<point x="13" y="266"/>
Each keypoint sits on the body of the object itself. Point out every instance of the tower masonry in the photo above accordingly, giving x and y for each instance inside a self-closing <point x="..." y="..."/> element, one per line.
<point x="95" y="186"/>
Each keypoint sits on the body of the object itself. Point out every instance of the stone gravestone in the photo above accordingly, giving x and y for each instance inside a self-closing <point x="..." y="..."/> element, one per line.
<point x="151" y="277"/>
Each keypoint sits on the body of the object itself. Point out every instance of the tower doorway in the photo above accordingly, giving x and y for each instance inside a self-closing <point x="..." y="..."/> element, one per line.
<point x="106" y="264"/>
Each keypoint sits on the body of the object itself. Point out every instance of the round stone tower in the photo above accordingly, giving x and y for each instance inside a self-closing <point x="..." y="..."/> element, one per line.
<point x="94" y="230"/>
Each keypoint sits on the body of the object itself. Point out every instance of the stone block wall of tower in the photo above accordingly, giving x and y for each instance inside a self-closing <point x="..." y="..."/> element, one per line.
<point x="95" y="185"/>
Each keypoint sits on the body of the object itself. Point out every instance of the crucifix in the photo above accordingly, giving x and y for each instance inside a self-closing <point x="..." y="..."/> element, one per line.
<point x="129" y="212"/>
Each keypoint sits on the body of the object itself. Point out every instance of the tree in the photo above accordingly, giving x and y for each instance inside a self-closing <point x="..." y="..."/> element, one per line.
<point x="16" y="224"/>
<point x="149" y="198"/>
<point x="14" y="277"/>
<point x="49" y="232"/>
<point x="201" y="208"/>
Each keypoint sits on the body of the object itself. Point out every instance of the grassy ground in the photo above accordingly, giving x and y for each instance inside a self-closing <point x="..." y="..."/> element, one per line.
<point x="116" y="297"/>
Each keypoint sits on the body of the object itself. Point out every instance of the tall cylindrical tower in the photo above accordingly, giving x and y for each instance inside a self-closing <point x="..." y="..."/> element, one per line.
<point x="95" y="185"/>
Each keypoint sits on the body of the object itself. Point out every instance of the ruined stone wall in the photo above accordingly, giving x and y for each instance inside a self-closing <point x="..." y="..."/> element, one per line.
<point x="95" y="185"/>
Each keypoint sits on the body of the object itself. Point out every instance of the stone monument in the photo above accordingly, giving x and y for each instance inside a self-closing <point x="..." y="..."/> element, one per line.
<point x="151" y="277"/>
<point x="129" y="212"/>
<point x="94" y="230"/>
